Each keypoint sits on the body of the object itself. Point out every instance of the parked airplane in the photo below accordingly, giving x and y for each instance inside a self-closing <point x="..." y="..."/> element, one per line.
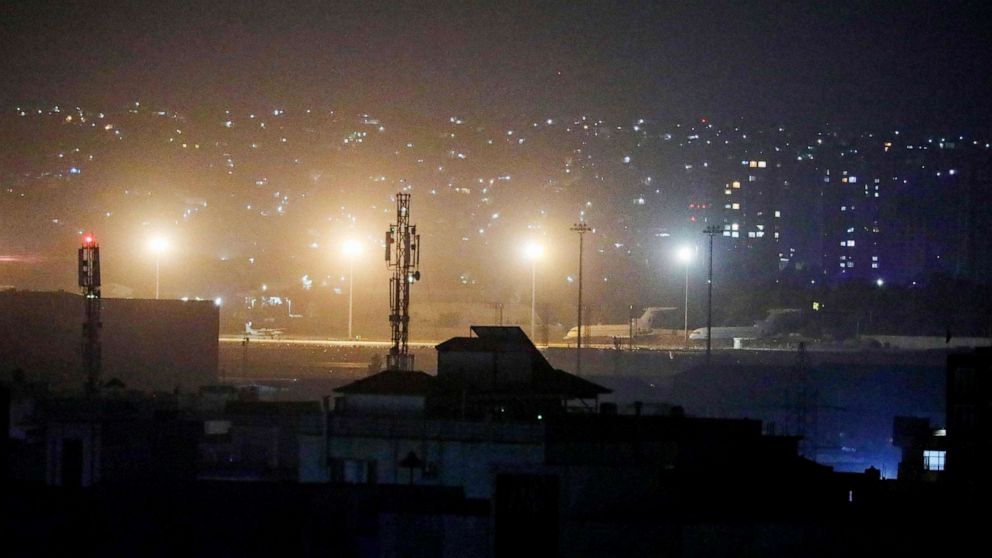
<point x="778" y="321"/>
<point x="270" y="332"/>
<point x="648" y="325"/>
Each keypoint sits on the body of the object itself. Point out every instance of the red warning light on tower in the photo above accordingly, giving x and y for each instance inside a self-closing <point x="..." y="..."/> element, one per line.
<point x="89" y="240"/>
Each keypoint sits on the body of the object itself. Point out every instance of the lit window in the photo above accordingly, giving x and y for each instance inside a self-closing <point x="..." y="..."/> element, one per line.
<point x="736" y="184"/>
<point x="762" y="164"/>
<point x="736" y="206"/>
<point x="778" y="214"/>
<point x="933" y="460"/>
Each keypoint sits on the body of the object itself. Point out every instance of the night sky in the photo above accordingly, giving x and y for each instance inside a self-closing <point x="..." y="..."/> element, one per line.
<point x="902" y="63"/>
<point x="257" y="135"/>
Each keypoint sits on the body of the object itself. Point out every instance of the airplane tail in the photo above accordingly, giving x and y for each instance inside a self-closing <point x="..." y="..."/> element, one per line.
<point x="649" y="319"/>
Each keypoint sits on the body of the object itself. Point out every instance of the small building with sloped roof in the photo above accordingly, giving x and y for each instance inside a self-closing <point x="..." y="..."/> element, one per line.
<point x="390" y="392"/>
<point x="497" y="374"/>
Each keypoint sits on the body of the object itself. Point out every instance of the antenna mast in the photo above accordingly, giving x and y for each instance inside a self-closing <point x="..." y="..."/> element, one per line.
<point x="403" y="258"/>
<point x="89" y="284"/>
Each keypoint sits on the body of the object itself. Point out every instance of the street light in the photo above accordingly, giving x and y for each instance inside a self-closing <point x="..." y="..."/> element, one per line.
<point x="351" y="249"/>
<point x="533" y="252"/>
<point x="711" y="231"/>
<point x="685" y="256"/>
<point x="582" y="228"/>
<point x="158" y="245"/>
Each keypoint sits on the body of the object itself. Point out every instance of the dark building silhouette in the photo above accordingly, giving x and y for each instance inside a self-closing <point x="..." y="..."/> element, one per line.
<point x="256" y="440"/>
<point x="117" y="441"/>
<point x="496" y="455"/>
<point x="146" y="344"/>
<point x="500" y="374"/>
<point x="924" y="449"/>
<point x="969" y="417"/>
<point x="4" y="431"/>
<point x="566" y="478"/>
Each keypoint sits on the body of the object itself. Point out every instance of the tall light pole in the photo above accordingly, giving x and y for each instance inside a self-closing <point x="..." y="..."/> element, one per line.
<point x="685" y="256"/>
<point x="712" y="231"/>
<point x="533" y="252"/>
<point x="582" y="229"/>
<point x="351" y="249"/>
<point x="158" y="245"/>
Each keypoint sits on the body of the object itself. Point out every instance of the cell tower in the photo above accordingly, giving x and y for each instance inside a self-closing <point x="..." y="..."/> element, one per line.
<point x="403" y="258"/>
<point x="89" y="284"/>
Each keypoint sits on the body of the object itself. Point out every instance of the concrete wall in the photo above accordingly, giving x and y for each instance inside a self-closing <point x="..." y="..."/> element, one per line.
<point x="924" y="343"/>
<point x="487" y="370"/>
<point x="56" y="436"/>
<point x="391" y="405"/>
<point x="458" y="454"/>
<point x="475" y="369"/>
<point x="409" y="534"/>
<point x="147" y="344"/>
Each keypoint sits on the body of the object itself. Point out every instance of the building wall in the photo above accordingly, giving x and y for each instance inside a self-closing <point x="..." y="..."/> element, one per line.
<point x="457" y="454"/>
<point x="969" y="420"/>
<point x="60" y="469"/>
<point x="408" y="534"/>
<point x="486" y="370"/>
<point x="474" y="368"/>
<point x="370" y="404"/>
<point x="147" y="344"/>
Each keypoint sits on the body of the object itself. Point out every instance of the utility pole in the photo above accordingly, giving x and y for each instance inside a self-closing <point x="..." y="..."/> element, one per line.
<point x="712" y="231"/>
<point x="582" y="229"/>
<point x="685" y="309"/>
<point x="351" y="293"/>
<point x="630" y="326"/>
<point x="533" y="299"/>
<point x="801" y="416"/>
<point x="244" y="356"/>
<point x="497" y="313"/>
